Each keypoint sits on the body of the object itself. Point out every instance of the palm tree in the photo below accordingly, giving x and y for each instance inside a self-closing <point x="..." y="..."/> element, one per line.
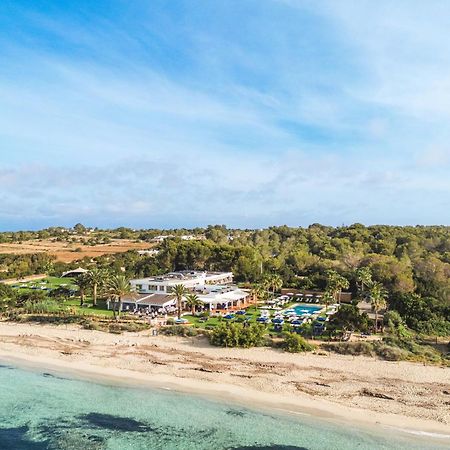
<point x="336" y="283"/>
<point x="327" y="298"/>
<point x="257" y="292"/>
<point x="118" y="287"/>
<point x="364" y="278"/>
<point x="377" y="295"/>
<point x="193" y="301"/>
<point x="276" y="283"/>
<point x="273" y="282"/>
<point x="179" y="290"/>
<point x="97" y="279"/>
<point x="83" y="283"/>
<point x="261" y="292"/>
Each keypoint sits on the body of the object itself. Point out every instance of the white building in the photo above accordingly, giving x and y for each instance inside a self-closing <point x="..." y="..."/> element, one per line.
<point x="214" y="289"/>
<point x="190" y="279"/>
<point x="161" y="238"/>
<point x="223" y="297"/>
<point x="150" y="252"/>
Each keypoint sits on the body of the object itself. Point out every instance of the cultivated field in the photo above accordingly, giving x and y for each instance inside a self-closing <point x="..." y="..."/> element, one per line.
<point x="68" y="252"/>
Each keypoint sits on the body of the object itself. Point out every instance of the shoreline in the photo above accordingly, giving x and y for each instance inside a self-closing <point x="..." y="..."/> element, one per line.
<point x="64" y="351"/>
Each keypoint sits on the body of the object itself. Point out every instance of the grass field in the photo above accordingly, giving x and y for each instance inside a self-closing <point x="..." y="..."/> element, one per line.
<point x="71" y="251"/>
<point x="48" y="283"/>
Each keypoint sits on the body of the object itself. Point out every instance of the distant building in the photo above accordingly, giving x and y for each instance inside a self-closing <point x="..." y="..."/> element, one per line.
<point x="183" y="237"/>
<point x="150" y="252"/>
<point x="161" y="238"/>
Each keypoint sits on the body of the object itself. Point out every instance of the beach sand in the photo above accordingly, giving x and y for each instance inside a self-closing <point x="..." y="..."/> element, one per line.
<point x="363" y="391"/>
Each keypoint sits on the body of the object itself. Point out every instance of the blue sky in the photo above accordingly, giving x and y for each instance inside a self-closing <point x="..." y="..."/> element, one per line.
<point x="243" y="112"/>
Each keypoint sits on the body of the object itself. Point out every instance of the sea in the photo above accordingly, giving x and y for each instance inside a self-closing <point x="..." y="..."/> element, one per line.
<point x="41" y="411"/>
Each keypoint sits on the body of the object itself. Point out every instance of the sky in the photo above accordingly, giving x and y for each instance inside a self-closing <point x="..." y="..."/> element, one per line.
<point x="249" y="113"/>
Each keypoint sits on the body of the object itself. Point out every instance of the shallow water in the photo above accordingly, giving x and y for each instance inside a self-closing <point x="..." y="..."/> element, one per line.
<point x="39" y="411"/>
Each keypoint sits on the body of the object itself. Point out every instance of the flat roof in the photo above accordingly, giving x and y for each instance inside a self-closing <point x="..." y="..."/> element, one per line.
<point x="223" y="296"/>
<point x="184" y="275"/>
<point x="149" y="299"/>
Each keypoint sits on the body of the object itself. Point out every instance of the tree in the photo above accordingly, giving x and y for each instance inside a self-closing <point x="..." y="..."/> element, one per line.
<point x="336" y="283"/>
<point x="97" y="279"/>
<point x="257" y="293"/>
<point x="179" y="291"/>
<point x="275" y="283"/>
<point x="63" y="292"/>
<point x="327" y="298"/>
<point x="348" y="318"/>
<point x="79" y="228"/>
<point x="364" y="278"/>
<point x="260" y="292"/>
<point x="192" y="301"/>
<point x="8" y="297"/>
<point x="83" y="283"/>
<point x="118" y="287"/>
<point x="377" y="297"/>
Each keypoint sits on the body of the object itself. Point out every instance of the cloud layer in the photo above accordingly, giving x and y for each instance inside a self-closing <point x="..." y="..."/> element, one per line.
<point x="246" y="113"/>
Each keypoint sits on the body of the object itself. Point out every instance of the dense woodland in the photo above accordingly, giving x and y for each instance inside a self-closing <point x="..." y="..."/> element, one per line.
<point x="411" y="263"/>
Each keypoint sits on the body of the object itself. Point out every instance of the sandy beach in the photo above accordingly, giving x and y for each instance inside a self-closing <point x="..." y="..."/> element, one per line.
<point x="401" y="395"/>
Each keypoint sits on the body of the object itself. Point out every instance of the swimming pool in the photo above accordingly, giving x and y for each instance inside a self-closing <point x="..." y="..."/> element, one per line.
<point x="304" y="308"/>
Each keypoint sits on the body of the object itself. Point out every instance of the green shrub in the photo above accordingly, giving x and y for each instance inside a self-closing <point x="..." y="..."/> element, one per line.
<point x="390" y="349"/>
<point x="119" y="327"/>
<point x="293" y="343"/>
<point x="351" y="348"/>
<point x="237" y="335"/>
<point x="92" y="325"/>
<point x="390" y="353"/>
<point x="114" y="328"/>
<point x="45" y="306"/>
<point x="179" y="330"/>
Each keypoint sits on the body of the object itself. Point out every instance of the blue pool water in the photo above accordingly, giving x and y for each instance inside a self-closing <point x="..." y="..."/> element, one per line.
<point x="40" y="411"/>
<point x="306" y="308"/>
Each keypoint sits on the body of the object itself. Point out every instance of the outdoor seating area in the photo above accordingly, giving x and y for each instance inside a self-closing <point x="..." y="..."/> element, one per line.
<point x="278" y="303"/>
<point x="296" y="316"/>
<point x="306" y="298"/>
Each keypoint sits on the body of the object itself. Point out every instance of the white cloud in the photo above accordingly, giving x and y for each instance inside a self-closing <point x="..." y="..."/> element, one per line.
<point x="292" y="131"/>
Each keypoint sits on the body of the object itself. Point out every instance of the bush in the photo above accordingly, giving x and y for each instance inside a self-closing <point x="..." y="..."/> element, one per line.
<point x="351" y="348"/>
<point x="92" y="325"/>
<point x="293" y="343"/>
<point x="179" y="330"/>
<point x="44" y="306"/>
<point x="119" y="327"/>
<point x="349" y="318"/>
<point x="237" y="335"/>
<point x="390" y="349"/>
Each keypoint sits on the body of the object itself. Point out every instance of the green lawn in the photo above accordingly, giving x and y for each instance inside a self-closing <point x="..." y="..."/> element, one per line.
<point x="49" y="283"/>
<point x="88" y="309"/>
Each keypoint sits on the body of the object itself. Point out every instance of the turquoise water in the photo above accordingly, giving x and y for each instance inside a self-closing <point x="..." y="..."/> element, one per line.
<point x="40" y="411"/>
<point x="311" y="309"/>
